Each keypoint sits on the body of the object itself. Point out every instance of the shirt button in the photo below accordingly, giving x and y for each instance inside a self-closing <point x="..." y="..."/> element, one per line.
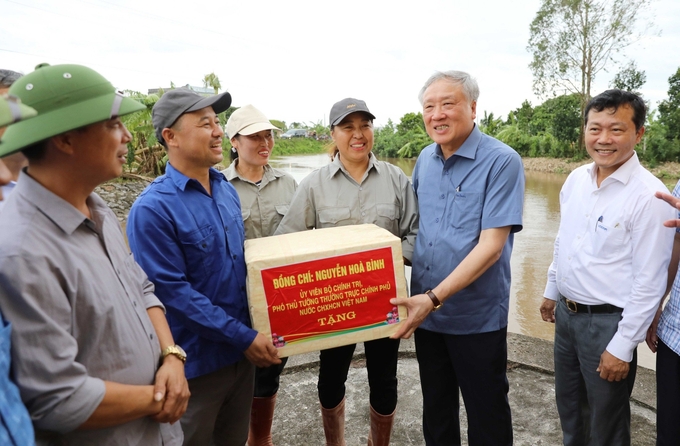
<point x="234" y="256"/>
<point x="443" y="196"/>
<point x="436" y="220"/>
<point x="363" y="213"/>
<point x="361" y="188"/>
<point x="430" y="243"/>
<point x="151" y="336"/>
<point x="427" y="268"/>
<point x="134" y="303"/>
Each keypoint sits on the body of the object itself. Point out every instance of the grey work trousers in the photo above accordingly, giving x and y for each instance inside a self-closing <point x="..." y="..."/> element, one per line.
<point x="219" y="407"/>
<point x="593" y="411"/>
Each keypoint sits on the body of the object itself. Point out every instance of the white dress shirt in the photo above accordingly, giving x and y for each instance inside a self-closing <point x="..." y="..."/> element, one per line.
<point x="612" y="247"/>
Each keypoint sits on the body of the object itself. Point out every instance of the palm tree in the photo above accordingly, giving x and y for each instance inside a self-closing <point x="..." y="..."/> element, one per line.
<point x="211" y="80"/>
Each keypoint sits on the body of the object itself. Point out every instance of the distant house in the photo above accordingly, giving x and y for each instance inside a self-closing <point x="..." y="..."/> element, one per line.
<point x="203" y="91"/>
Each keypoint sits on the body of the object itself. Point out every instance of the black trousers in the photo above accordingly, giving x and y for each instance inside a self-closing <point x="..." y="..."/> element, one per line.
<point x="667" y="396"/>
<point x="267" y="379"/>
<point x="381" y="364"/>
<point x="475" y="364"/>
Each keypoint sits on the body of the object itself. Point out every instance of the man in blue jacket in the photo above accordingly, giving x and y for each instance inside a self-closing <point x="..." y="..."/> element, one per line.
<point x="186" y="231"/>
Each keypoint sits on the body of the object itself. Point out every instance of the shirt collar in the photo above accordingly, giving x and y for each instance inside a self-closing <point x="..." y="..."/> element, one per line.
<point x="336" y="165"/>
<point x="622" y="174"/>
<point x="182" y="180"/>
<point x="270" y="174"/>
<point x="59" y="211"/>
<point x="468" y="149"/>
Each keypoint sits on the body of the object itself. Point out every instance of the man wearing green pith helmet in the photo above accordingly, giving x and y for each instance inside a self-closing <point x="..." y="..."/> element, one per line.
<point x="88" y="330"/>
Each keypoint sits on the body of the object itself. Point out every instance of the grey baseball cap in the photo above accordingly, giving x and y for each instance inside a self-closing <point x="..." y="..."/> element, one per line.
<point x="345" y="107"/>
<point x="175" y="103"/>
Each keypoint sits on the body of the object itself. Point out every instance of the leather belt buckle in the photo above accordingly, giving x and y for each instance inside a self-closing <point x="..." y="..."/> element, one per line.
<point x="571" y="305"/>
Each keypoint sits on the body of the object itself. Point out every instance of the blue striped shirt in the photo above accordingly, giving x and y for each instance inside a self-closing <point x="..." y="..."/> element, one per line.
<point x="669" y="324"/>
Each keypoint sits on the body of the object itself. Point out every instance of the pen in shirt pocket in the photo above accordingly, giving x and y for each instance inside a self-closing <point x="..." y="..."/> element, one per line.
<point x="597" y="223"/>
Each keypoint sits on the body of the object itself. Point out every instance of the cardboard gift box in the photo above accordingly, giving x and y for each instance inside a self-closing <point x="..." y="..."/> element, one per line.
<point x="325" y="288"/>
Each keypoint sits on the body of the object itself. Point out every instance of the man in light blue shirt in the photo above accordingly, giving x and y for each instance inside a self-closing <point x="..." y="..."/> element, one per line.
<point x="470" y="190"/>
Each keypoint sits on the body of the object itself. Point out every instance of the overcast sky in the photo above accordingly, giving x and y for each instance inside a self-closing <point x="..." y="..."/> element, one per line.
<point x="294" y="59"/>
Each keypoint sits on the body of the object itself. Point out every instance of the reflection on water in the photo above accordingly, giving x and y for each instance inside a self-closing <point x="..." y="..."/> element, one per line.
<point x="532" y="252"/>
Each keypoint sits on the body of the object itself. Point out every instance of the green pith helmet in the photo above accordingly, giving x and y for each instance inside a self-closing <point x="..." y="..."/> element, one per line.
<point x="66" y="97"/>
<point x="12" y="110"/>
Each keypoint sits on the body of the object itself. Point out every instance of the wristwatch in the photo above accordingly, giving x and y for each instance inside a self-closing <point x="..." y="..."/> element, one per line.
<point x="174" y="350"/>
<point x="437" y="304"/>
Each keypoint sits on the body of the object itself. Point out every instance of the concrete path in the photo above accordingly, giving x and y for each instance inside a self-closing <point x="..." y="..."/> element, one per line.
<point x="297" y="421"/>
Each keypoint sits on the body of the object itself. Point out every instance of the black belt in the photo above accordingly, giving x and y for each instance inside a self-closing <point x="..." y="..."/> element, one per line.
<point x="576" y="307"/>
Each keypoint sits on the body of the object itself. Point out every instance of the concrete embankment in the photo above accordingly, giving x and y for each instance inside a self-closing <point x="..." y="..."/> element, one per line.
<point x="297" y="420"/>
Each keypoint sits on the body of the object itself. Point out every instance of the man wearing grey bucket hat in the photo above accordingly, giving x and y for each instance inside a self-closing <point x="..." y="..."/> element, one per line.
<point x="187" y="232"/>
<point x="88" y="329"/>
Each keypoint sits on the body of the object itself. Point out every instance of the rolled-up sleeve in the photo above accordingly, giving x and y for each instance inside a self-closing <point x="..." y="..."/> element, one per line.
<point x="54" y="385"/>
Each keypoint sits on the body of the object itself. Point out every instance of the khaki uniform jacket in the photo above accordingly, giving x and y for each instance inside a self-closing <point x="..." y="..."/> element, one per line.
<point x="262" y="206"/>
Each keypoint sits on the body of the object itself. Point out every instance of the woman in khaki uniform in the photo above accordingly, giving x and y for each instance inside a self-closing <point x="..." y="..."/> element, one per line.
<point x="265" y="195"/>
<point x="356" y="188"/>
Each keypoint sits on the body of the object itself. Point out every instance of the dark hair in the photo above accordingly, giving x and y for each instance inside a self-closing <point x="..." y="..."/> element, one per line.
<point x="8" y="77"/>
<point x="35" y="151"/>
<point x="616" y="98"/>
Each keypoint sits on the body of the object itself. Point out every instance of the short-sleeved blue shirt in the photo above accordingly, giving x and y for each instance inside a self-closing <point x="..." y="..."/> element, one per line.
<point x="190" y="244"/>
<point x="481" y="186"/>
<point x="15" y="423"/>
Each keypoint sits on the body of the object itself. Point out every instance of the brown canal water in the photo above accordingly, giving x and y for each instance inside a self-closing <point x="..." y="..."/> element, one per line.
<point x="532" y="252"/>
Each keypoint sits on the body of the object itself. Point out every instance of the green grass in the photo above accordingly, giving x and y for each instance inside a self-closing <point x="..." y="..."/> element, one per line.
<point x="297" y="146"/>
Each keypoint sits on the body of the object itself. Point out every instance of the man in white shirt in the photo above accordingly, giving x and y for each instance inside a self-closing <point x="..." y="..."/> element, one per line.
<point x="608" y="273"/>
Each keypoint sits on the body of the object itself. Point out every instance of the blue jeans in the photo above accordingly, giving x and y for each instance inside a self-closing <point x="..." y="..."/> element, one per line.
<point x="593" y="411"/>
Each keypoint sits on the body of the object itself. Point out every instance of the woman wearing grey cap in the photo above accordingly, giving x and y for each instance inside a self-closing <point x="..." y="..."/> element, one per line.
<point x="356" y="188"/>
<point x="265" y="195"/>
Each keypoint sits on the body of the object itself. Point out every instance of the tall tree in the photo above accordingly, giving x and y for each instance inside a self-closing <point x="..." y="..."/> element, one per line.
<point x="573" y="40"/>
<point x="669" y="109"/>
<point x="629" y="78"/>
<point x="211" y="80"/>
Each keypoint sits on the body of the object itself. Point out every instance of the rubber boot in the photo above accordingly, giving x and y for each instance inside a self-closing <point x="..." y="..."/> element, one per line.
<point x="261" y="416"/>
<point x="381" y="428"/>
<point x="334" y="424"/>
